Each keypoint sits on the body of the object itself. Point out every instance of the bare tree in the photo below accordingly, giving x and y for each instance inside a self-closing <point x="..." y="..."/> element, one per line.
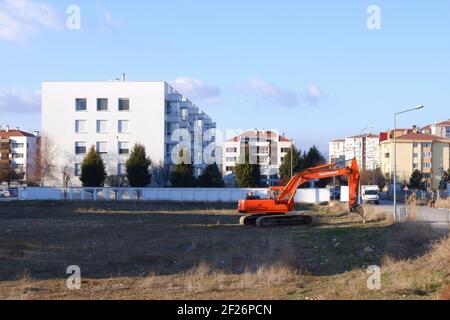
<point x="67" y="173"/>
<point x="45" y="159"/>
<point x="160" y="174"/>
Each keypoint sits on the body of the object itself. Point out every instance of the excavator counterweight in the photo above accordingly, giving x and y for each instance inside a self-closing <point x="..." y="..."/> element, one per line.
<point x="277" y="209"/>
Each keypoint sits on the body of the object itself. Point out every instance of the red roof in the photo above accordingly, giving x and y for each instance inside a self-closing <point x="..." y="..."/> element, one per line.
<point x="421" y="136"/>
<point x="338" y="140"/>
<point x="14" y="133"/>
<point x="444" y="123"/>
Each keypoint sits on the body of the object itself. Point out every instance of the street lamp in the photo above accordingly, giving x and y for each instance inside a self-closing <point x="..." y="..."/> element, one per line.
<point x="118" y="168"/>
<point x="292" y="156"/>
<point x="395" y="154"/>
<point x="364" y="134"/>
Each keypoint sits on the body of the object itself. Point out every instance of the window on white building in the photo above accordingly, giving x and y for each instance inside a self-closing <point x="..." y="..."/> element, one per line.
<point x="124" y="148"/>
<point x="17" y="145"/>
<point x="102" y="104"/>
<point x="17" y="155"/>
<point x="231" y="150"/>
<point x="80" y="126"/>
<point x="102" y="147"/>
<point x="185" y="114"/>
<point x="80" y="104"/>
<point x="231" y="159"/>
<point x="122" y="169"/>
<point x="172" y="108"/>
<point x="102" y="126"/>
<point x="80" y="147"/>
<point x="124" y="104"/>
<point x="124" y="126"/>
<point x="77" y="169"/>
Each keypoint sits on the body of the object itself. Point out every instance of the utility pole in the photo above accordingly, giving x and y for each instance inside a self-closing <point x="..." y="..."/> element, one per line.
<point x="292" y="157"/>
<point x="118" y="168"/>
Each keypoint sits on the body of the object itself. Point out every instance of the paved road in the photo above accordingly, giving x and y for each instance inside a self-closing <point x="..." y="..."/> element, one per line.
<point x="438" y="218"/>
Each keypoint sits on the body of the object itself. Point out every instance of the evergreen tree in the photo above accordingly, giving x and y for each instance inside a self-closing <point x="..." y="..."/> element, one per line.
<point x="183" y="173"/>
<point x="138" y="167"/>
<point x="211" y="177"/>
<point x="93" y="173"/>
<point x="247" y="175"/>
<point x="415" y="182"/>
<point x="285" y="167"/>
<point x="313" y="158"/>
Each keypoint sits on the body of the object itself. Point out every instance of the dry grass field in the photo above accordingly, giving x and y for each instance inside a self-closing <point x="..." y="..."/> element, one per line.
<point x="186" y="251"/>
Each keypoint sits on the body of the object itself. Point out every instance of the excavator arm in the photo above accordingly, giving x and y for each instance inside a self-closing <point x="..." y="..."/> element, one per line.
<point x="318" y="173"/>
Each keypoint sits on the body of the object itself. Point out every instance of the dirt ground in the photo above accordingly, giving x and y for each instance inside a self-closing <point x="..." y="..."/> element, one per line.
<point x="187" y="251"/>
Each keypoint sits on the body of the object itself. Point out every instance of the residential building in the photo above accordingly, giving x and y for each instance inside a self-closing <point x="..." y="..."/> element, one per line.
<point x="427" y="153"/>
<point x="112" y="116"/>
<point x="18" y="152"/>
<point x="365" y="148"/>
<point x="267" y="148"/>
<point x="372" y="151"/>
<point x="337" y="150"/>
<point x="441" y="129"/>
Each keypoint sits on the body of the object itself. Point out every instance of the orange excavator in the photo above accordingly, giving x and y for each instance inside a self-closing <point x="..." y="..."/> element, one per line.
<point x="277" y="209"/>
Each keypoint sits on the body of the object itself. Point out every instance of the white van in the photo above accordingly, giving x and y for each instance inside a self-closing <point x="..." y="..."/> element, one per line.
<point x="371" y="194"/>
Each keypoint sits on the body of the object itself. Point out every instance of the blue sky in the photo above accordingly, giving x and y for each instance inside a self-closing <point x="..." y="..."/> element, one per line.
<point x="310" y="69"/>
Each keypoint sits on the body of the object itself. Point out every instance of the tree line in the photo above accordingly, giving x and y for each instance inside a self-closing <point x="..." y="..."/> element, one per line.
<point x="139" y="172"/>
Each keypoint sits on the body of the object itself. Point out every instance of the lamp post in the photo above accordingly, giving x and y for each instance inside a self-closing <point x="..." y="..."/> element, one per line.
<point x="363" y="135"/>
<point x="118" y="168"/>
<point x="395" y="154"/>
<point x="292" y="156"/>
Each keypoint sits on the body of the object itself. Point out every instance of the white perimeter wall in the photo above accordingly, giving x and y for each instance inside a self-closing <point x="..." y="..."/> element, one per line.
<point x="186" y="195"/>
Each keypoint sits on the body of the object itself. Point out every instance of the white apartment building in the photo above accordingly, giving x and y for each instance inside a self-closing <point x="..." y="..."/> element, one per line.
<point x="18" y="151"/>
<point x="441" y="129"/>
<point x="267" y="148"/>
<point x="112" y="116"/>
<point x="337" y="150"/>
<point x="372" y="152"/>
<point x="365" y="148"/>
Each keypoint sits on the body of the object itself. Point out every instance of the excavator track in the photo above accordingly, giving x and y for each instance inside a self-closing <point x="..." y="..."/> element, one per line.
<point x="279" y="220"/>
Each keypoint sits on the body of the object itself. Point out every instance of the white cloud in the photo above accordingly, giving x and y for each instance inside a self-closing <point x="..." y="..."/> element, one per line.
<point x="197" y="89"/>
<point x="20" y="19"/>
<point x="108" y="21"/>
<point x="270" y="93"/>
<point x="20" y="101"/>
<point x="314" y="94"/>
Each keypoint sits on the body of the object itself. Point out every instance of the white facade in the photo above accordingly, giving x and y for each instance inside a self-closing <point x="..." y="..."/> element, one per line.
<point x="112" y="116"/>
<point x="364" y="148"/>
<point x="372" y="153"/>
<point x="267" y="148"/>
<point x="441" y="129"/>
<point x="21" y="152"/>
<point x="336" y="150"/>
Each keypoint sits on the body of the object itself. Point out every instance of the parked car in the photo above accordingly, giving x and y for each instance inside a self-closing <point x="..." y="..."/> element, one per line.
<point x="4" y="194"/>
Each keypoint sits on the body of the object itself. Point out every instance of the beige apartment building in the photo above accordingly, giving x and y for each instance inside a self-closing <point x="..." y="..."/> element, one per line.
<point x="427" y="153"/>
